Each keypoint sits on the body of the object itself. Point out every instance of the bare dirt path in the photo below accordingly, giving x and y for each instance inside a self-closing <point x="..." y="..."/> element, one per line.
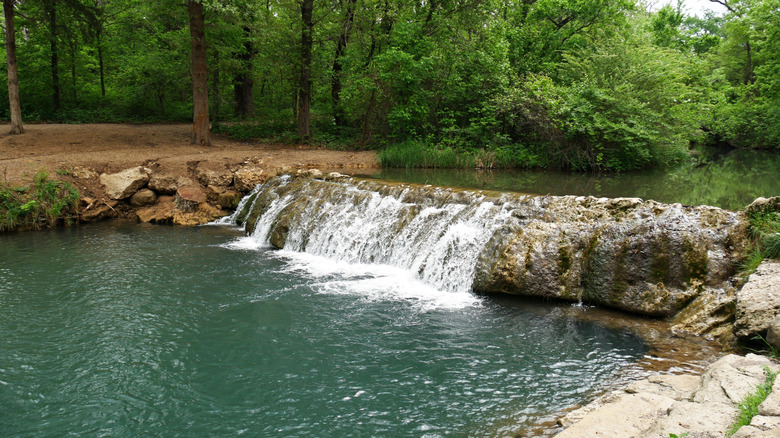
<point x="114" y="147"/>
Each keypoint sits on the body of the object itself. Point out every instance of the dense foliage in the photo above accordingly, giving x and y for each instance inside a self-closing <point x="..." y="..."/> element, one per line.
<point x="583" y="84"/>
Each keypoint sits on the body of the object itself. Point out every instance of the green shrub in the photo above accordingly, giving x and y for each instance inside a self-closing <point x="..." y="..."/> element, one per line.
<point x="764" y="234"/>
<point x="37" y="206"/>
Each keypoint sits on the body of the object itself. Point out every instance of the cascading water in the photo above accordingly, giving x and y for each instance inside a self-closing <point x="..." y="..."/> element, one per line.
<point x="440" y="244"/>
<point x="636" y="255"/>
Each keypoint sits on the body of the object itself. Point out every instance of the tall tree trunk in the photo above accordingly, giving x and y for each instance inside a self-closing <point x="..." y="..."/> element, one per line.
<point x="102" y="67"/>
<point x="304" y="89"/>
<point x="201" y="133"/>
<point x="335" y="82"/>
<point x="13" y="76"/>
<point x="215" y="90"/>
<point x="51" y="11"/>
<point x="244" y="83"/>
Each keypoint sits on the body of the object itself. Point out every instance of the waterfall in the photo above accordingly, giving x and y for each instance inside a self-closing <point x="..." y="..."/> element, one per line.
<point x="640" y="256"/>
<point x="440" y="243"/>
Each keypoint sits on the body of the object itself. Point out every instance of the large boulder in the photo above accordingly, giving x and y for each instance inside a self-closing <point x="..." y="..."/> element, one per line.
<point x="124" y="184"/>
<point x="758" y="302"/>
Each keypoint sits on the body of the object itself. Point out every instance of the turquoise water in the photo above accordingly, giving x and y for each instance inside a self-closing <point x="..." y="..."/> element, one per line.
<point x="731" y="180"/>
<point x="129" y="330"/>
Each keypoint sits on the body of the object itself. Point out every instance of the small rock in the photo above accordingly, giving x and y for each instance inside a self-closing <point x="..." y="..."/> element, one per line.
<point x="773" y="334"/>
<point x="83" y="173"/>
<point x="99" y="212"/>
<point x="161" y="213"/>
<point x="143" y="197"/>
<point x="229" y="200"/>
<point x="166" y="184"/>
<point x="764" y="204"/>
<point x="122" y="185"/>
<point x="315" y="173"/>
<point x="189" y="197"/>
<point x="771" y="406"/>
<point x="204" y="213"/>
<point x="247" y="177"/>
<point x="336" y="175"/>
<point x="211" y="177"/>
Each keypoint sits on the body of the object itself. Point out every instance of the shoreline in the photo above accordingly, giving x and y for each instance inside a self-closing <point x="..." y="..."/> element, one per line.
<point x="222" y="174"/>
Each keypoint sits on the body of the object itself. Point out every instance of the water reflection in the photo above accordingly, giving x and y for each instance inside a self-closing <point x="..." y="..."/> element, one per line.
<point x="731" y="180"/>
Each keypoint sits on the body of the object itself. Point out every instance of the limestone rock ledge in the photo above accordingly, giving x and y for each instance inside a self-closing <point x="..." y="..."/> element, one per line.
<point x="702" y="406"/>
<point x="758" y="302"/>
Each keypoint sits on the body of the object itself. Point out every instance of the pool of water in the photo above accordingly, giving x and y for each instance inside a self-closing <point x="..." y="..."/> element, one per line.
<point x="728" y="180"/>
<point x="129" y="330"/>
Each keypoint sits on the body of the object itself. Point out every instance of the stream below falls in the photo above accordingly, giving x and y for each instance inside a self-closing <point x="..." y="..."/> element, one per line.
<point x="125" y="330"/>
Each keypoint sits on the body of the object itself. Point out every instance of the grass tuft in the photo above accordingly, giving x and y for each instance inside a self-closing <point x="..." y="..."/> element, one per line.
<point x="748" y="408"/>
<point x="37" y="206"/>
<point x="764" y="234"/>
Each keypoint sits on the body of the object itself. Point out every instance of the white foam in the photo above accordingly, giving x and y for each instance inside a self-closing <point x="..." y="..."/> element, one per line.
<point x="374" y="282"/>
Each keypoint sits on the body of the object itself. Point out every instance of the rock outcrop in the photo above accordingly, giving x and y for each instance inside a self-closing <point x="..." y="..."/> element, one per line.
<point x="639" y="256"/>
<point x="684" y="405"/>
<point x="758" y="302"/>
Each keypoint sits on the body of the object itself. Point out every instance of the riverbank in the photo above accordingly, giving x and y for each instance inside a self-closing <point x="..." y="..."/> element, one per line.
<point x="80" y="153"/>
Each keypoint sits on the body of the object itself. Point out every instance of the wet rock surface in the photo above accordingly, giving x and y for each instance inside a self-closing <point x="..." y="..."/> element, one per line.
<point x="638" y="256"/>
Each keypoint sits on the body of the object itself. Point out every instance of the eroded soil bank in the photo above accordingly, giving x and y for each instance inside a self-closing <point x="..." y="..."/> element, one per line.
<point x="109" y="148"/>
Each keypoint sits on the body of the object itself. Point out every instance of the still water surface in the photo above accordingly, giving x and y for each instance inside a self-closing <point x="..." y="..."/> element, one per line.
<point x="727" y="180"/>
<point x="127" y="330"/>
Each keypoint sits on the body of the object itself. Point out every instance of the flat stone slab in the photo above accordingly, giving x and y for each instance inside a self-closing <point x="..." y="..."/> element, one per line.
<point x="758" y="303"/>
<point x="698" y="406"/>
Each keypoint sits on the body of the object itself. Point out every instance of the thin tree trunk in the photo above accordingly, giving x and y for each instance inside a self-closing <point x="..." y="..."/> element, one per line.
<point x="304" y="89"/>
<point x="13" y="76"/>
<point x="51" y="6"/>
<point x="335" y="82"/>
<point x="102" y="68"/>
<point x="216" y="91"/>
<point x="201" y="133"/>
<point x="244" y="83"/>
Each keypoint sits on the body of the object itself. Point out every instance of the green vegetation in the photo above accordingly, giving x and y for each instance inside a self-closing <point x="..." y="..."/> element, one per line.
<point x="764" y="234"/>
<point x="38" y="206"/>
<point x="576" y="84"/>
<point x="748" y="408"/>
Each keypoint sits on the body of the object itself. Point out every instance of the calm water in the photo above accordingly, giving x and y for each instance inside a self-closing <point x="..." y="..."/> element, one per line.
<point x="731" y="180"/>
<point x="127" y="330"/>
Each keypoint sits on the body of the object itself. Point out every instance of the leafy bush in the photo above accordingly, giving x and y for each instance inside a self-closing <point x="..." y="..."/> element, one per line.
<point x="617" y="106"/>
<point x="38" y="206"/>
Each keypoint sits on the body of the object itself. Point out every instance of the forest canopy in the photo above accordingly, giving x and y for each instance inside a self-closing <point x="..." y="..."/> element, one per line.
<point x="580" y="84"/>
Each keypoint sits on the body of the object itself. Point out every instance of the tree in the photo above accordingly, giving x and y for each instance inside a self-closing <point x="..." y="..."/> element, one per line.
<point x="304" y="88"/>
<point x="13" y="76"/>
<point x="341" y="46"/>
<point x="201" y="133"/>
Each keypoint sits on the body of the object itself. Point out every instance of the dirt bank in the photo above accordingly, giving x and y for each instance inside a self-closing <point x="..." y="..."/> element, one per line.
<point x="107" y="148"/>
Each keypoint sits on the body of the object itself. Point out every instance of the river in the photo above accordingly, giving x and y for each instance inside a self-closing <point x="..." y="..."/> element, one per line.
<point x="120" y="329"/>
